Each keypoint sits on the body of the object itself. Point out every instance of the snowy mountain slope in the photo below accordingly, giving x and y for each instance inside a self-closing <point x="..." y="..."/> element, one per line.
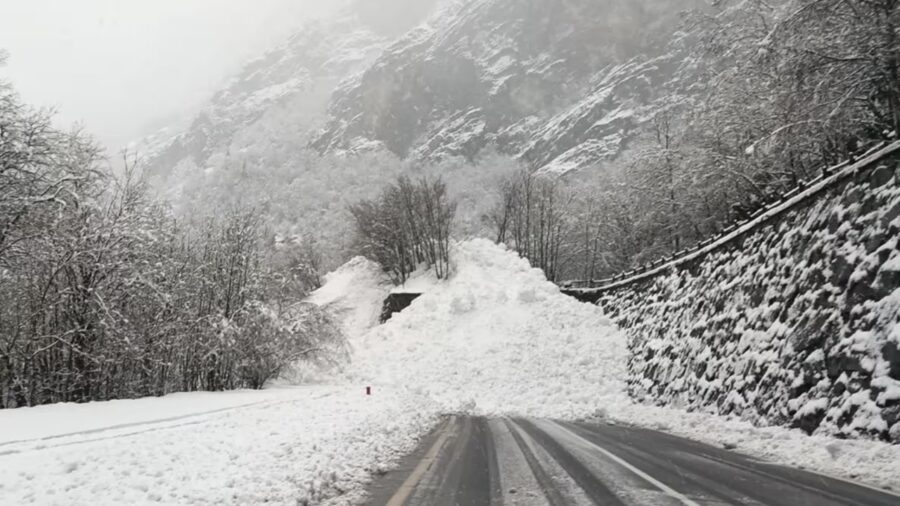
<point x="597" y="127"/>
<point x="554" y="82"/>
<point x="295" y="80"/>
<point x="483" y="86"/>
<point x="285" y="92"/>
<point x="559" y="84"/>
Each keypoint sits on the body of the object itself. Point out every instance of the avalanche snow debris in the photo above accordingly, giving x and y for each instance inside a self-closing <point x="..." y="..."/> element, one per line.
<point x="353" y="294"/>
<point x="498" y="339"/>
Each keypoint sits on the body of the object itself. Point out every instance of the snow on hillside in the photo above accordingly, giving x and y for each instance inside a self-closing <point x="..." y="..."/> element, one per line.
<point x="353" y="294"/>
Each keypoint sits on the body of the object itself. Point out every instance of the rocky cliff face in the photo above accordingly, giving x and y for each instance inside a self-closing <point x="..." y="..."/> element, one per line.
<point x="554" y="82"/>
<point x="466" y="93"/>
<point x="298" y="76"/>
<point x="796" y="324"/>
<point x="558" y="84"/>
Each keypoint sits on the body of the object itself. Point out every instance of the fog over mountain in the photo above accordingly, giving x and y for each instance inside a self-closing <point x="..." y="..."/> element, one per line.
<point x="533" y="79"/>
<point x="417" y="88"/>
<point x="303" y="110"/>
<point x="122" y="68"/>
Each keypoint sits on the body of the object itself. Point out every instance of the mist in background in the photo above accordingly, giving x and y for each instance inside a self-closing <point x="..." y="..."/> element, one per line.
<point x="125" y="68"/>
<point x="393" y="17"/>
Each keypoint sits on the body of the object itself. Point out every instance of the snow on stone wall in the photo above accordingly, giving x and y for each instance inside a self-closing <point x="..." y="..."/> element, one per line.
<point x="796" y="323"/>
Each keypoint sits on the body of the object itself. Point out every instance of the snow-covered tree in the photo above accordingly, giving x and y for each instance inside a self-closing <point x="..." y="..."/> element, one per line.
<point x="408" y="225"/>
<point x="104" y="294"/>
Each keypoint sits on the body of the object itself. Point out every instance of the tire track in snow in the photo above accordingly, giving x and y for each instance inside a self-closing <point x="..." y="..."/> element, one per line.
<point x="592" y="455"/>
<point x="725" y="477"/>
<point x="409" y="485"/>
<point x="522" y="480"/>
<point x="709" y="491"/>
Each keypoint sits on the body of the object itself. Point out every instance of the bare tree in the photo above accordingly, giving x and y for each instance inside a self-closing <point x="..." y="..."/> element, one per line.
<point x="533" y="217"/>
<point x="104" y="295"/>
<point x="408" y="225"/>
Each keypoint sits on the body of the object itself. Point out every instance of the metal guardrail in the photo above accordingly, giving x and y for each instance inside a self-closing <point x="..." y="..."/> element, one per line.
<point x="800" y="194"/>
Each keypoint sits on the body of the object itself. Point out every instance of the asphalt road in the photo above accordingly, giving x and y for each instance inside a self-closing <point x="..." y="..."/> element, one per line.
<point x="476" y="461"/>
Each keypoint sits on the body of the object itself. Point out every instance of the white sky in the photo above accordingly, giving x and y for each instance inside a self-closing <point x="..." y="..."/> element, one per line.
<point x="116" y="66"/>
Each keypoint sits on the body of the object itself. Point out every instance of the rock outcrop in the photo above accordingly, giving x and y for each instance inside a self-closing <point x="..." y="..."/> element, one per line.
<point x="554" y="82"/>
<point x="561" y="85"/>
<point x="294" y="81"/>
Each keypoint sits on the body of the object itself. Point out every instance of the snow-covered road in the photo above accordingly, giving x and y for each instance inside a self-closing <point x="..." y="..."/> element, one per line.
<point x="531" y="462"/>
<point x="281" y="446"/>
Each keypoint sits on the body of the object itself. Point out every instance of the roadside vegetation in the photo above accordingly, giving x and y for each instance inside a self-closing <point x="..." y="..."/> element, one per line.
<point x="104" y="294"/>
<point x="407" y="226"/>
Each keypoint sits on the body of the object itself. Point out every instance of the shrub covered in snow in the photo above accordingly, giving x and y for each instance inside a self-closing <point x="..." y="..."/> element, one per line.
<point x="269" y="343"/>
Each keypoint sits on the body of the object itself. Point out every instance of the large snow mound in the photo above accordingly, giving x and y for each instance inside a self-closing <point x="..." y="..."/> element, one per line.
<point x="498" y="339"/>
<point x="353" y="294"/>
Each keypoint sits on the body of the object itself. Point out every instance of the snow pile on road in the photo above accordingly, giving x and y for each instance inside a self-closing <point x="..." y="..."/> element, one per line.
<point x="309" y="445"/>
<point x="353" y="295"/>
<point x="498" y="339"/>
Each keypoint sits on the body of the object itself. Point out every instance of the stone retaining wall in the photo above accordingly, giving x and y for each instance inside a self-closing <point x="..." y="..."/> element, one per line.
<point x="796" y="322"/>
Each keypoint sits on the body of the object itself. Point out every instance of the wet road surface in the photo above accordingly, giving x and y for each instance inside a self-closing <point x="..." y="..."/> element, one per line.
<point x="489" y="462"/>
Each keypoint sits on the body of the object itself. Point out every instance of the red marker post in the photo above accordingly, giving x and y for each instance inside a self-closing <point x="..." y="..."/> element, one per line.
<point x="368" y="390"/>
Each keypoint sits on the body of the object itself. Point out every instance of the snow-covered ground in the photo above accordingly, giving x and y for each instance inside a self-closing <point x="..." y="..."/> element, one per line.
<point x="496" y="339"/>
<point x="58" y="420"/>
<point x="288" y="446"/>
